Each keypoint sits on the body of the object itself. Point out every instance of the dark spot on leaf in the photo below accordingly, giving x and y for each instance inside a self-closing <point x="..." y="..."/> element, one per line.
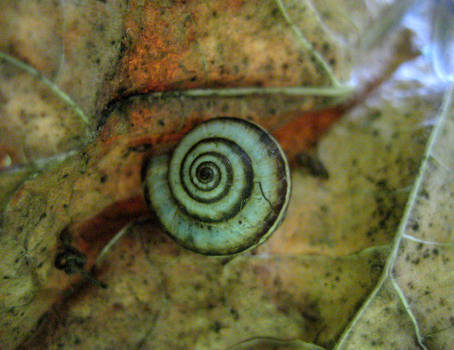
<point x="424" y="194"/>
<point x="415" y="261"/>
<point x="217" y="326"/>
<point x="235" y="314"/>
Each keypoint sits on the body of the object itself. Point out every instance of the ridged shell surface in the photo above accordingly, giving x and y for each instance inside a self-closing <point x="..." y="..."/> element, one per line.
<point x="224" y="189"/>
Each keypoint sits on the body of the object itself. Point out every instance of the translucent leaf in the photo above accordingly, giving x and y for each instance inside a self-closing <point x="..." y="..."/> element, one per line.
<point x="443" y="38"/>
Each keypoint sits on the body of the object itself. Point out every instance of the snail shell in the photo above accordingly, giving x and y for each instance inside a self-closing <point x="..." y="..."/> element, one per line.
<point x="225" y="188"/>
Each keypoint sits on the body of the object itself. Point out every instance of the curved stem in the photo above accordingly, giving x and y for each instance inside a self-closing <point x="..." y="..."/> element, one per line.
<point x="307" y="45"/>
<point x="54" y="88"/>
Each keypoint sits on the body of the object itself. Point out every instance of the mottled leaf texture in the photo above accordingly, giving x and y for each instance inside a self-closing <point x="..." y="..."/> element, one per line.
<point x="89" y="90"/>
<point x="412" y="303"/>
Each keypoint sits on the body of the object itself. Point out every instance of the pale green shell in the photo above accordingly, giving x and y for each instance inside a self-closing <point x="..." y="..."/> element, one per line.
<point x="225" y="188"/>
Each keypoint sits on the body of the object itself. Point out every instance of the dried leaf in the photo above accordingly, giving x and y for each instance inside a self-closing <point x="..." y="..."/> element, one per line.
<point x="417" y="280"/>
<point x="270" y="64"/>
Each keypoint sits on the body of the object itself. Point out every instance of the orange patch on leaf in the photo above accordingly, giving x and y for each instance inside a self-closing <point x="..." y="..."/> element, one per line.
<point x="153" y="63"/>
<point x="302" y="133"/>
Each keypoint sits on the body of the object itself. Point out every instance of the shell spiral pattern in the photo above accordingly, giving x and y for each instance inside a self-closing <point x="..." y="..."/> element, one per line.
<point x="224" y="189"/>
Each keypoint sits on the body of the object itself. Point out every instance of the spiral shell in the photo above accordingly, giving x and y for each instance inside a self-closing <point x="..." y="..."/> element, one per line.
<point x="224" y="189"/>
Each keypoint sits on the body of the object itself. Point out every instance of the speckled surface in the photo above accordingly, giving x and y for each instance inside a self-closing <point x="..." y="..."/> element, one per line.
<point x="308" y="281"/>
<point x="215" y="303"/>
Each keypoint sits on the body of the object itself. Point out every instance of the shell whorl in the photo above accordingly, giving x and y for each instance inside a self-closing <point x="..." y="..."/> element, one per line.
<point x="225" y="188"/>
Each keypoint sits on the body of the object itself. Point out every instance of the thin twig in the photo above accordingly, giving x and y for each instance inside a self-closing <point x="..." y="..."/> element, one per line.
<point x="328" y="91"/>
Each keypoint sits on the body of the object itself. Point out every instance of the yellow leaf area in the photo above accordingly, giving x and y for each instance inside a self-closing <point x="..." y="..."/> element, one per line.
<point x="304" y="286"/>
<point x="412" y="303"/>
<point x="305" y="283"/>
